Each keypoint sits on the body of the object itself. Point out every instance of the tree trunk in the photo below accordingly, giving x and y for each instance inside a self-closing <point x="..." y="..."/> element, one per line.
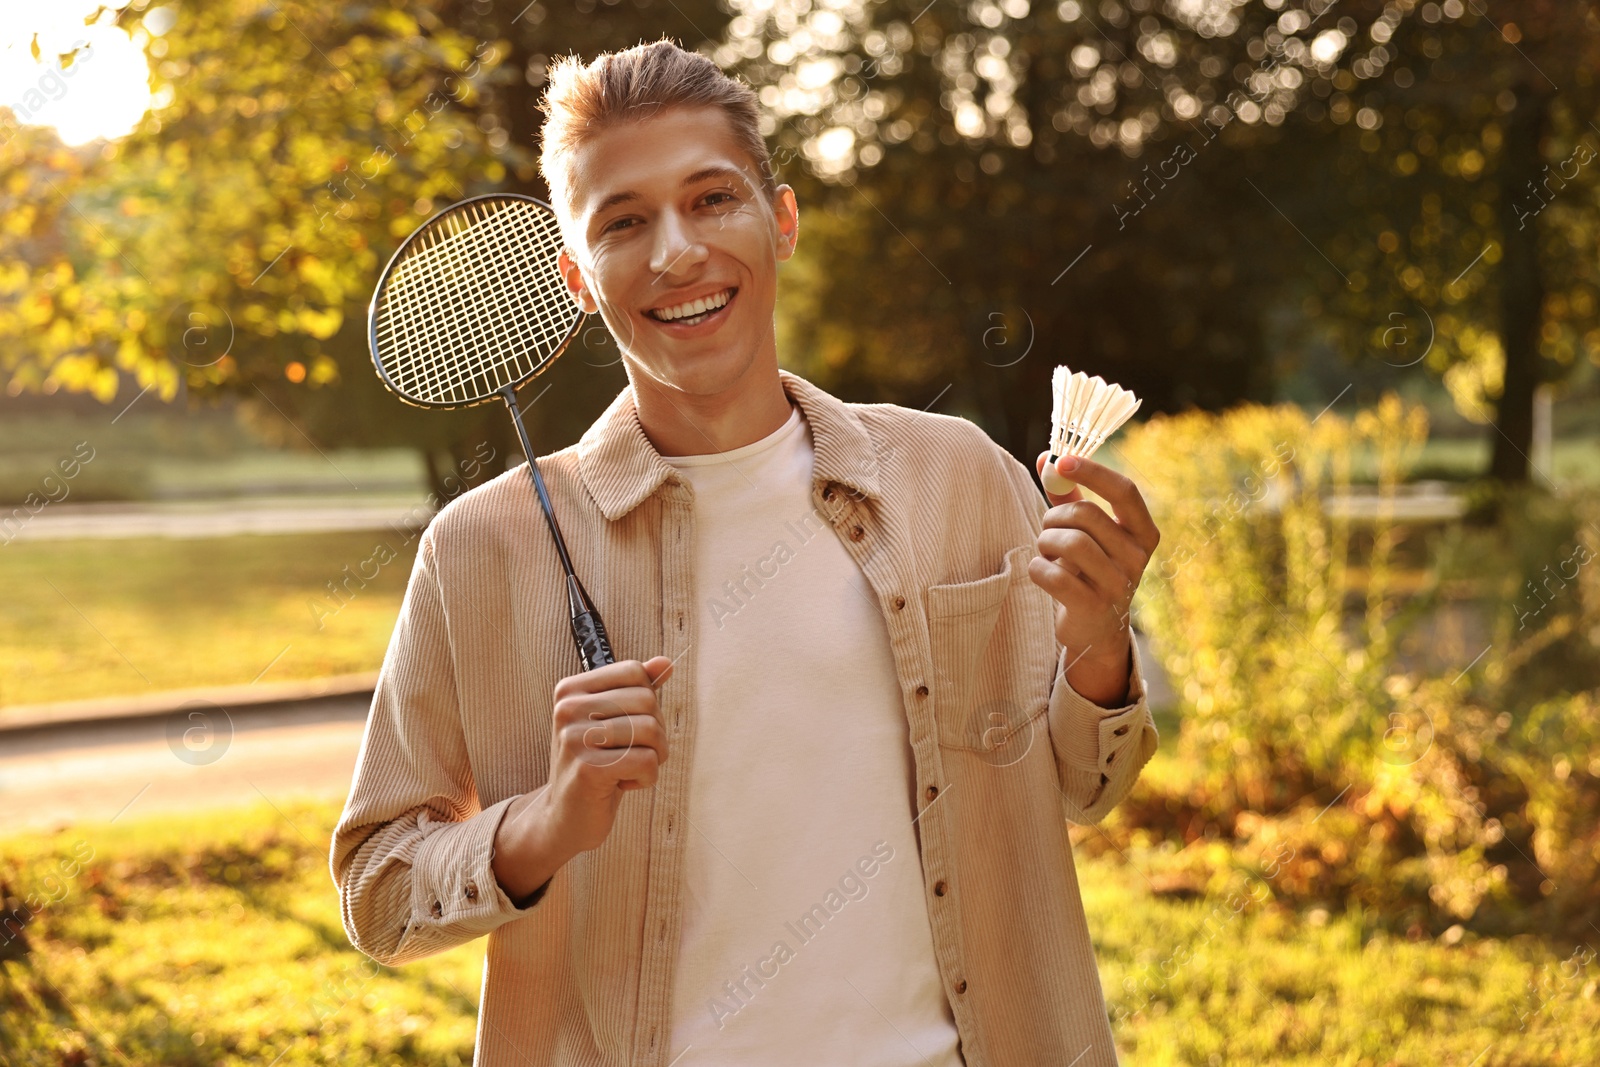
<point x="1521" y="286"/>
<point x="437" y="467"/>
<point x="520" y="106"/>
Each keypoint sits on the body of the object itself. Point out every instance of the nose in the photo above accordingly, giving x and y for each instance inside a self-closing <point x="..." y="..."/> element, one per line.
<point x="677" y="251"/>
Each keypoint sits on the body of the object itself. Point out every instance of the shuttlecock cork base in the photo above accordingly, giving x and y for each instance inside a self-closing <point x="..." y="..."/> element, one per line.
<point x="1086" y="412"/>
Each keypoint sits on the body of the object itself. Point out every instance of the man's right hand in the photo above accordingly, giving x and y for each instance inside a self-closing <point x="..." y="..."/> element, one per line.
<point x="607" y="737"/>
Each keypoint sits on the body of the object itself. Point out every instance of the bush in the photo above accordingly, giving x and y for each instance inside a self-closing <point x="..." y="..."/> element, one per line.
<point x="1307" y="756"/>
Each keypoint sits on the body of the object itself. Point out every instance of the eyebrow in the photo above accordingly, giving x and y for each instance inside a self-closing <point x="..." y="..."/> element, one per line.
<point x="698" y="176"/>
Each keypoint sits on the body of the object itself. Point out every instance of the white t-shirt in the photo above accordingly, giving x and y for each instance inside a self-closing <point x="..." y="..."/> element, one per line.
<point x="805" y="928"/>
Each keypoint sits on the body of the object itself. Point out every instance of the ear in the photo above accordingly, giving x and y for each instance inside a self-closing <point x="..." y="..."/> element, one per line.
<point x="786" y="210"/>
<point x="575" y="283"/>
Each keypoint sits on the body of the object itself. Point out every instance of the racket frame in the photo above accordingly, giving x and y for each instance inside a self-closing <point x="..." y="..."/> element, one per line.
<point x="388" y="271"/>
<point x="588" y="630"/>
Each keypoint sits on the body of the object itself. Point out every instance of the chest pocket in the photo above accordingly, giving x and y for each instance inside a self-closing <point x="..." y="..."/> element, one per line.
<point x="994" y="653"/>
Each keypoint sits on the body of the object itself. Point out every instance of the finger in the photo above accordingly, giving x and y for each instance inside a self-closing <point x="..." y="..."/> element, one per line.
<point x="1063" y="585"/>
<point x="613" y="703"/>
<point x="1038" y="467"/>
<point x="630" y="731"/>
<point x="1092" y="519"/>
<point x="636" y="769"/>
<point x="1127" y="503"/>
<point x="1079" y="552"/>
<point x="612" y="676"/>
<point x="1079" y="597"/>
<point x="659" y="668"/>
<point x="607" y="747"/>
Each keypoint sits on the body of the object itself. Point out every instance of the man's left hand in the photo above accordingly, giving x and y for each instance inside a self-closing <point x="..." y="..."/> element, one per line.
<point x="1090" y="563"/>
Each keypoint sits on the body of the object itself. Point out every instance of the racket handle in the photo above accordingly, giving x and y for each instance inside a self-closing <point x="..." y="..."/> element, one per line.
<point x="593" y="645"/>
<point x="588" y="631"/>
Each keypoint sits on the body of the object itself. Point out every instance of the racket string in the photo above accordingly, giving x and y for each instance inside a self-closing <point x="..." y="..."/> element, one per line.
<point x="477" y="304"/>
<point x="451" y="377"/>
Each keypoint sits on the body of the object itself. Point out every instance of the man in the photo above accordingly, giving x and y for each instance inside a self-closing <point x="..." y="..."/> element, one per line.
<point x="815" y="813"/>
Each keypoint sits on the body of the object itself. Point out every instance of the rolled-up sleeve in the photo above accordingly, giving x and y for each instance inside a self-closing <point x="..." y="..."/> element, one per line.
<point x="1099" y="752"/>
<point x="413" y="851"/>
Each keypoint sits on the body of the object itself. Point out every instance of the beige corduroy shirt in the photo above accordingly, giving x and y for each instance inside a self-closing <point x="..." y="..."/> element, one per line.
<point x="942" y="523"/>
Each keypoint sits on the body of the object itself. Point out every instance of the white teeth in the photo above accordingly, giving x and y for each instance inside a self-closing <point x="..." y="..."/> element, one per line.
<point x="692" y="308"/>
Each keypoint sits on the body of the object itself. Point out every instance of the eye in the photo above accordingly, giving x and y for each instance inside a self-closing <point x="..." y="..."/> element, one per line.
<point x="717" y="199"/>
<point x="618" y="224"/>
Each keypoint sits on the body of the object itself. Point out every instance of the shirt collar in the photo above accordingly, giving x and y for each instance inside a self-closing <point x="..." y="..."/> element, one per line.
<point x="620" y="467"/>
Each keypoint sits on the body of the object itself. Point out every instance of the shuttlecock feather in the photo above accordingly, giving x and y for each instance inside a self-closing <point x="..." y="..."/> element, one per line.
<point x="1086" y="412"/>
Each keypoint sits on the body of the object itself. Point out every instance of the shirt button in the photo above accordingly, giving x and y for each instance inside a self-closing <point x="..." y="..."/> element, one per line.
<point x="857" y="533"/>
<point x="899" y="603"/>
<point x="922" y="690"/>
<point x="438" y="910"/>
<point x="938" y="889"/>
<point x="961" y="986"/>
<point x="933" y="791"/>
<point x="472" y="891"/>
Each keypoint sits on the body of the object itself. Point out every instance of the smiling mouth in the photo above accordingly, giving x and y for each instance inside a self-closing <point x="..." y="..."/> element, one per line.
<point x="694" y="311"/>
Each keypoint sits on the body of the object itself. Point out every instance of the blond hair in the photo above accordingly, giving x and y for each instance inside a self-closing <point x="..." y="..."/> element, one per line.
<point x="582" y="99"/>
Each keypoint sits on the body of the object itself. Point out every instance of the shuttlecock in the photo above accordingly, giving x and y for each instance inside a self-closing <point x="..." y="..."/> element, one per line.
<point x="1087" y="411"/>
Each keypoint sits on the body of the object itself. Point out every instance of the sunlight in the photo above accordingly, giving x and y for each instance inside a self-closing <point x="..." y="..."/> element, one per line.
<point x="100" y="92"/>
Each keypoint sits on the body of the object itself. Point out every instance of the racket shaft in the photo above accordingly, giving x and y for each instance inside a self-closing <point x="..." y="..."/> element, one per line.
<point x="588" y="632"/>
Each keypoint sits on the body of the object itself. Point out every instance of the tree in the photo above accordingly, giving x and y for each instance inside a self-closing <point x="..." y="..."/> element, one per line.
<point x="230" y="244"/>
<point x="1251" y="131"/>
<point x="979" y="227"/>
<point x="1472" y="169"/>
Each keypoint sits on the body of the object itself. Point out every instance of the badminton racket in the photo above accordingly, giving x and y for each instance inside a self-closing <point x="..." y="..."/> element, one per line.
<point x="471" y="307"/>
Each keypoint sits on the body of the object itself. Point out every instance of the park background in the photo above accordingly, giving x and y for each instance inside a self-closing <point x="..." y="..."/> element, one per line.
<point x="1346" y="251"/>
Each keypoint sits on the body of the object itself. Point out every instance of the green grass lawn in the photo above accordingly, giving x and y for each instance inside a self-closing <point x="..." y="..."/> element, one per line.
<point x="216" y="940"/>
<point x="1198" y="983"/>
<point x="90" y="618"/>
<point x="1573" y="460"/>
<point x="111" y="475"/>
<point x="1239" y="979"/>
<point x="156" y="454"/>
<point x="96" y="618"/>
<point x="212" y="940"/>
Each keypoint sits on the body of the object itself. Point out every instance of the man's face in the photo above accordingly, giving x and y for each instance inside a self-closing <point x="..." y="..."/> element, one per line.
<point x="672" y="241"/>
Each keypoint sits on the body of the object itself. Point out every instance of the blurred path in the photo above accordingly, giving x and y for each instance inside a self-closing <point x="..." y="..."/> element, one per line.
<point x="1424" y="502"/>
<point x="202" y="753"/>
<point x="96" y="772"/>
<point x="221" y="518"/>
